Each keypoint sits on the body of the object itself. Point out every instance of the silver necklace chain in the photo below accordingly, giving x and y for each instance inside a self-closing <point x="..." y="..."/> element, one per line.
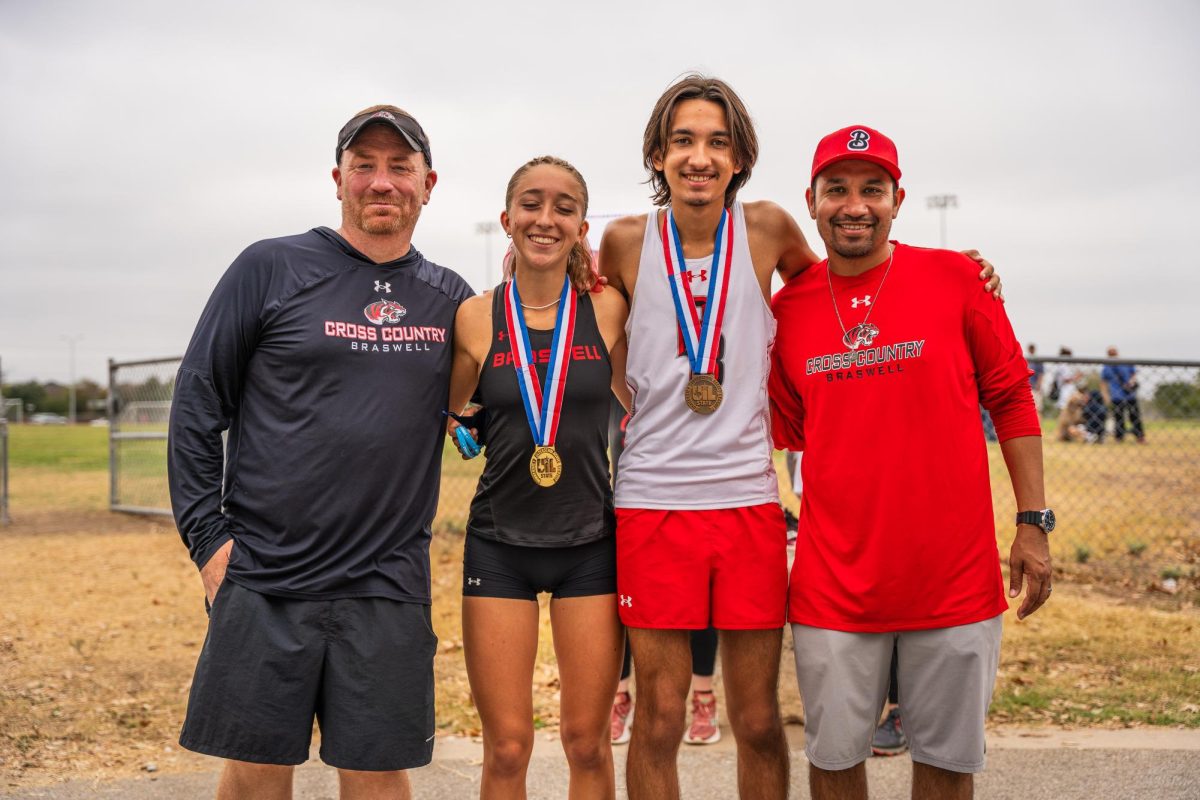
<point x="864" y="334"/>
<point x="540" y="308"/>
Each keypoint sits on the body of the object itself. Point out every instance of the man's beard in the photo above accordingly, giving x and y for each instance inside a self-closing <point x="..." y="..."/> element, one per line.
<point x="856" y="250"/>
<point x="383" y="225"/>
<point x="859" y="247"/>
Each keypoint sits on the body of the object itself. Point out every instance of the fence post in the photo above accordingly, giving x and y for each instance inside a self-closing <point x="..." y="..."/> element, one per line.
<point x="4" y="518"/>
<point x="111" y="404"/>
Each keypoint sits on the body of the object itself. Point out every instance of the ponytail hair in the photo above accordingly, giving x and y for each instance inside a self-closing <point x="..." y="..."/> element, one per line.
<point x="581" y="267"/>
<point x="508" y="264"/>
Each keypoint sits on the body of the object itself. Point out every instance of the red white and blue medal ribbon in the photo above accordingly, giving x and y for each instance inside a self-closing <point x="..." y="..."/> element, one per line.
<point x="701" y="334"/>
<point x="543" y="406"/>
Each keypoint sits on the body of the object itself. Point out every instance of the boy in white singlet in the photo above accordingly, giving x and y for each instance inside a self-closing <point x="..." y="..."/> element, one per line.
<point x="700" y="533"/>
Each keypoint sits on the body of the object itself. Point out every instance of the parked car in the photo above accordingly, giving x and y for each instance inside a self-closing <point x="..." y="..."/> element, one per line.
<point x="44" y="418"/>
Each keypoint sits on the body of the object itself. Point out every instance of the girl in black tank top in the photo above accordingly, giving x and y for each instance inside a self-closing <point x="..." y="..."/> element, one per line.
<point x="508" y="506"/>
<point x="542" y="517"/>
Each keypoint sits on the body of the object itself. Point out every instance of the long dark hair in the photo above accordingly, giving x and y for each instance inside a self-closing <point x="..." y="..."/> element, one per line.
<point x="741" y="131"/>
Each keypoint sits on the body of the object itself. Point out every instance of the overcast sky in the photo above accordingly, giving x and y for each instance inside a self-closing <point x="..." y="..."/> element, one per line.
<point x="145" y="144"/>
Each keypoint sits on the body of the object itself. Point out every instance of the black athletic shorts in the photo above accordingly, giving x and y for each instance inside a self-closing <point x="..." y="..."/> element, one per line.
<point x="363" y="666"/>
<point x="496" y="569"/>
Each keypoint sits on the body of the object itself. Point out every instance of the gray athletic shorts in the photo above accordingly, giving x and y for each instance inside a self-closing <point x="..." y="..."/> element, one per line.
<point x="946" y="677"/>
<point x="362" y="666"/>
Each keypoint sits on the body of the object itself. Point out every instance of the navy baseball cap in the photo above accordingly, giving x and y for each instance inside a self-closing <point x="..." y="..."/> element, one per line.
<point x="401" y="122"/>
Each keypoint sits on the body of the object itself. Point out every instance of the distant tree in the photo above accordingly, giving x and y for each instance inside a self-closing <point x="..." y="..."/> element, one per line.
<point x="56" y="398"/>
<point x="31" y="392"/>
<point x="1177" y="400"/>
<point x="85" y="392"/>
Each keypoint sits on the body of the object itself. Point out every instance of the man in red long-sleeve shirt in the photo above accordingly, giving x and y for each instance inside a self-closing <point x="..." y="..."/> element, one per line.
<point x="882" y="357"/>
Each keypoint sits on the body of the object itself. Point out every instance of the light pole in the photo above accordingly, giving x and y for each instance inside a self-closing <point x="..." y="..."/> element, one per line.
<point x="941" y="202"/>
<point x="486" y="229"/>
<point x="71" y="341"/>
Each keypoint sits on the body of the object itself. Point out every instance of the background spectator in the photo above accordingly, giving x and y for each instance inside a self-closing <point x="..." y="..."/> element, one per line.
<point x="1095" y="411"/>
<point x="1120" y="389"/>
<point x="1038" y="371"/>
<point x="1062" y="384"/>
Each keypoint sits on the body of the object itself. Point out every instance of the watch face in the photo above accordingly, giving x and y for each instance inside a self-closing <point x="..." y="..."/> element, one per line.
<point x="1047" y="520"/>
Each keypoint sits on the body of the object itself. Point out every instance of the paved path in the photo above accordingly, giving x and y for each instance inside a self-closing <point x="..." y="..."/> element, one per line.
<point x="1029" y="765"/>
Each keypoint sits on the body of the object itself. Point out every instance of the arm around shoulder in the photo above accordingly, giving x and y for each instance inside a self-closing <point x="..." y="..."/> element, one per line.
<point x="611" y="313"/>
<point x="775" y="234"/>
<point x="620" y="252"/>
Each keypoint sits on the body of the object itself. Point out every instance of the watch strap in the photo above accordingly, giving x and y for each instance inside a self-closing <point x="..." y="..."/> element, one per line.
<point x="1032" y="518"/>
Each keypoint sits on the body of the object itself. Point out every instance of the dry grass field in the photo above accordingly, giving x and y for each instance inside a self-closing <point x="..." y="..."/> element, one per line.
<point x="102" y="619"/>
<point x="1128" y="512"/>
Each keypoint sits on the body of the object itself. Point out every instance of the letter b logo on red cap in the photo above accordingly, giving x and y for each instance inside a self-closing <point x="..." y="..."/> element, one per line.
<point x="856" y="142"/>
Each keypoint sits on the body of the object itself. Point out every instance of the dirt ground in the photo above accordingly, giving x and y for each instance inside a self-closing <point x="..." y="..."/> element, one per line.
<point x="102" y="618"/>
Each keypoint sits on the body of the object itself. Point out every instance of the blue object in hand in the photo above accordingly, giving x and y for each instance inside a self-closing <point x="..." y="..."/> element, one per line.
<point x="466" y="442"/>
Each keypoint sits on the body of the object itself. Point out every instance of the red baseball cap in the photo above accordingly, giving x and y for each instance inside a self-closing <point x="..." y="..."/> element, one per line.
<point x="860" y="143"/>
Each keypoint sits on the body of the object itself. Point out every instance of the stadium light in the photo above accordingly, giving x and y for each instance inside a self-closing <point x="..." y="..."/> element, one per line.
<point x="486" y="229"/>
<point x="941" y="202"/>
<point x="71" y="341"/>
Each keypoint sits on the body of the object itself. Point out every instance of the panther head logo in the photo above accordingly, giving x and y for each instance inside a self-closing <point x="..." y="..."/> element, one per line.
<point x="860" y="335"/>
<point x="384" y="311"/>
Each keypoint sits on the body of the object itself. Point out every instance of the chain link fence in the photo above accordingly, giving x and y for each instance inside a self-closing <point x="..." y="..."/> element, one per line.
<point x="1121" y="444"/>
<point x="139" y="408"/>
<point x="1122" y="456"/>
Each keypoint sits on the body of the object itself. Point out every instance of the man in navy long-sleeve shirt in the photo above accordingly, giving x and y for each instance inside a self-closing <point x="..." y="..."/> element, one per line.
<point x="1120" y="381"/>
<point x="326" y="357"/>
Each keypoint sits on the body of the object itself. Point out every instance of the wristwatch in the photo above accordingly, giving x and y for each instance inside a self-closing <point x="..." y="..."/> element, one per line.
<point x="1044" y="519"/>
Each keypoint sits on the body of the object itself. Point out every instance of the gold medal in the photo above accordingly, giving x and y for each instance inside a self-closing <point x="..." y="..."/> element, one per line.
<point x="543" y="404"/>
<point x="545" y="466"/>
<point x="703" y="394"/>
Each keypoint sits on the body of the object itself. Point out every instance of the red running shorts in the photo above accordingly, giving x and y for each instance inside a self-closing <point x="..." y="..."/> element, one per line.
<point x="682" y="570"/>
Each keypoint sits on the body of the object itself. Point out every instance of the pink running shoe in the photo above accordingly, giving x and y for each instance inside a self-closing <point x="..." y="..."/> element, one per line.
<point x="704" y="728"/>
<point x="622" y="718"/>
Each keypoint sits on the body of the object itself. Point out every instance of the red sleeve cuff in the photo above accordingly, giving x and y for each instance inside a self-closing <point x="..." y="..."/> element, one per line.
<point x="1014" y="413"/>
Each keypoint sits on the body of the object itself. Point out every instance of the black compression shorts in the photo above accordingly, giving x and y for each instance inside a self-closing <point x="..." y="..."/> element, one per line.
<point x="496" y="569"/>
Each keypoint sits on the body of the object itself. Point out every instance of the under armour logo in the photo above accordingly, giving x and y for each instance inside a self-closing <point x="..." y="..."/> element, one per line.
<point x="626" y="600"/>
<point x="500" y="335"/>
<point x="474" y="581"/>
<point x="691" y="275"/>
<point x="380" y="286"/>
<point x="865" y="301"/>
